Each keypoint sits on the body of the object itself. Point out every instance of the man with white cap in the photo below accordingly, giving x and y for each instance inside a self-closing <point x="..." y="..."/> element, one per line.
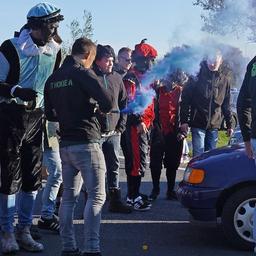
<point x="26" y="61"/>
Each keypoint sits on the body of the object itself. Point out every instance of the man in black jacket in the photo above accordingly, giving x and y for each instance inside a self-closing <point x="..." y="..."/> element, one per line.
<point x="246" y="109"/>
<point x="203" y="102"/>
<point x="72" y="95"/>
<point x="112" y="124"/>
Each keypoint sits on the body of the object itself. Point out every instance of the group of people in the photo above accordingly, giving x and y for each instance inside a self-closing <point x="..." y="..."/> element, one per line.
<point x="76" y="111"/>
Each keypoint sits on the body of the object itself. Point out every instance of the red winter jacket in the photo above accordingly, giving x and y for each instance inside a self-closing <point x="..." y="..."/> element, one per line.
<point x="132" y="82"/>
<point x="168" y="109"/>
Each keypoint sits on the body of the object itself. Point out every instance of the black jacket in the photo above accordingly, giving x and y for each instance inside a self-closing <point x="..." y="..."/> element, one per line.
<point x="113" y="82"/>
<point x="246" y="103"/>
<point x="206" y="98"/>
<point x="71" y="95"/>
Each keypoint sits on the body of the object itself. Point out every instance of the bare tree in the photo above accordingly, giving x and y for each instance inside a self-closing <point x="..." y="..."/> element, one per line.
<point x="212" y="5"/>
<point x="229" y="17"/>
<point x="77" y="30"/>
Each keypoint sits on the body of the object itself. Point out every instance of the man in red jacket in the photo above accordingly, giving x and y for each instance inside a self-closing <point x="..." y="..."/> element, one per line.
<point x="135" y="140"/>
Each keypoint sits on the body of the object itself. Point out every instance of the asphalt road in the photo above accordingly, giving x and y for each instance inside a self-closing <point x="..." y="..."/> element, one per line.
<point x="165" y="230"/>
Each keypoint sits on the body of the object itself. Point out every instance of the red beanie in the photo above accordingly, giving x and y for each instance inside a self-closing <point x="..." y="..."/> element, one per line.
<point x="145" y="50"/>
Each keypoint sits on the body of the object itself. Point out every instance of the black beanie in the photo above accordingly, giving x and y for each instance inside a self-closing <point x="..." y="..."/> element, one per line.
<point x="104" y="51"/>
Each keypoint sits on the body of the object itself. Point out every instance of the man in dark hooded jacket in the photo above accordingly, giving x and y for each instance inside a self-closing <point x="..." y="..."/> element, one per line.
<point x="204" y="101"/>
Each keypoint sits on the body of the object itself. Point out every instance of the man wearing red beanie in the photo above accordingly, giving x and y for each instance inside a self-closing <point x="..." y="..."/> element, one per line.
<point x="135" y="140"/>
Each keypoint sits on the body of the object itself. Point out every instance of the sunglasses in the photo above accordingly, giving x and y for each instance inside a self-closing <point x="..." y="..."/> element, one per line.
<point x="127" y="60"/>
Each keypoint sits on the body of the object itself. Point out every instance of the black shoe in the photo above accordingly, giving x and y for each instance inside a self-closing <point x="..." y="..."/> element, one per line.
<point x="140" y="205"/>
<point x="49" y="224"/>
<point x="35" y="232"/>
<point x="145" y="198"/>
<point x="76" y="252"/>
<point x="116" y="204"/>
<point x="171" y="195"/>
<point x="119" y="207"/>
<point x="153" y="196"/>
<point x="129" y="201"/>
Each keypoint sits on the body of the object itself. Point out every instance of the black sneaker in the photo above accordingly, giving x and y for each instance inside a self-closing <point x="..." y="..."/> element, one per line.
<point x="140" y="205"/>
<point x="145" y="198"/>
<point x="153" y="196"/>
<point x="49" y="224"/>
<point x="119" y="207"/>
<point x="76" y="252"/>
<point x="129" y="201"/>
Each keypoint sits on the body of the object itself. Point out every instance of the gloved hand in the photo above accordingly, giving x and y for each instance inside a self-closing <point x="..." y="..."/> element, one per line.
<point x="25" y="94"/>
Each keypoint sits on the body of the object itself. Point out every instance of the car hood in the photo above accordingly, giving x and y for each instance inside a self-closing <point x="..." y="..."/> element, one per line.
<point x="225" y="166"/>
<point x="237" y="149"/>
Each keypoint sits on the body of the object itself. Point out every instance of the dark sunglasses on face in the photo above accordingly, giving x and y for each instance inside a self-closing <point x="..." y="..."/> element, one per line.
<point x="127" y="60"/>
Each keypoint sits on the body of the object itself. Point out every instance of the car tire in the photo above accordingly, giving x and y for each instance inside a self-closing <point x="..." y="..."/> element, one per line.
<point x="236" y="219"/>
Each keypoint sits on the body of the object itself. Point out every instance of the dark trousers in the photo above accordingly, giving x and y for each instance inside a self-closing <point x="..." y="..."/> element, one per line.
<point x="167" y="150"/>
<point x="20" y="148"/>
<point x="135" y="149"/>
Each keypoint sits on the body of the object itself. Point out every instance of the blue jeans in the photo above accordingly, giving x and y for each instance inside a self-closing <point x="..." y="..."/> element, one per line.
<point x="111" y="148"/>
<point x="52" y="161"/>
<point x="25" y="207"/>
<point x="203" y="140"/>
<point x="82" y="163"/>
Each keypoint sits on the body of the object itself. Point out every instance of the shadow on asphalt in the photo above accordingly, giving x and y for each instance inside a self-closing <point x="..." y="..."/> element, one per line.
<point x="165" y="230"/>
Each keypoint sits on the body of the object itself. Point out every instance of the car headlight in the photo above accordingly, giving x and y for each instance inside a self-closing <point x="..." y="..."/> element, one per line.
<point x="194" y="176"/>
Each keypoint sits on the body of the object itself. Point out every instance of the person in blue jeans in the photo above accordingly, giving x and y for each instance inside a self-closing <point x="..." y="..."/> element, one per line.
<point x="204" y="100"/>
<point x="246" y="111"/>
<point x="52" y="161"/>
<point x="73" y="95"/>
<point x="26" y="61"/>
<point x="203" y="140"/>
<point x="112" y="124"/>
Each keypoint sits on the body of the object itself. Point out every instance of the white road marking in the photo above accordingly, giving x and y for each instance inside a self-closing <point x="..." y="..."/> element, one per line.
<point x="138" y="221"/>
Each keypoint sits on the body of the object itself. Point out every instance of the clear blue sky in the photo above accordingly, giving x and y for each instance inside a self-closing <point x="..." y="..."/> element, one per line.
<point x="165" y="23"/>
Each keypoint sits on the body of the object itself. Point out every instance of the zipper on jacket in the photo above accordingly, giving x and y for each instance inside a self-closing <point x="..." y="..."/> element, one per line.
<point x="210" y="105"/>
<point x="106" y="86"/>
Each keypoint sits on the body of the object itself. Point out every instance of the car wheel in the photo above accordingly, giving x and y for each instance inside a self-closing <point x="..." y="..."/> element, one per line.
<point x="237" y="218"/>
